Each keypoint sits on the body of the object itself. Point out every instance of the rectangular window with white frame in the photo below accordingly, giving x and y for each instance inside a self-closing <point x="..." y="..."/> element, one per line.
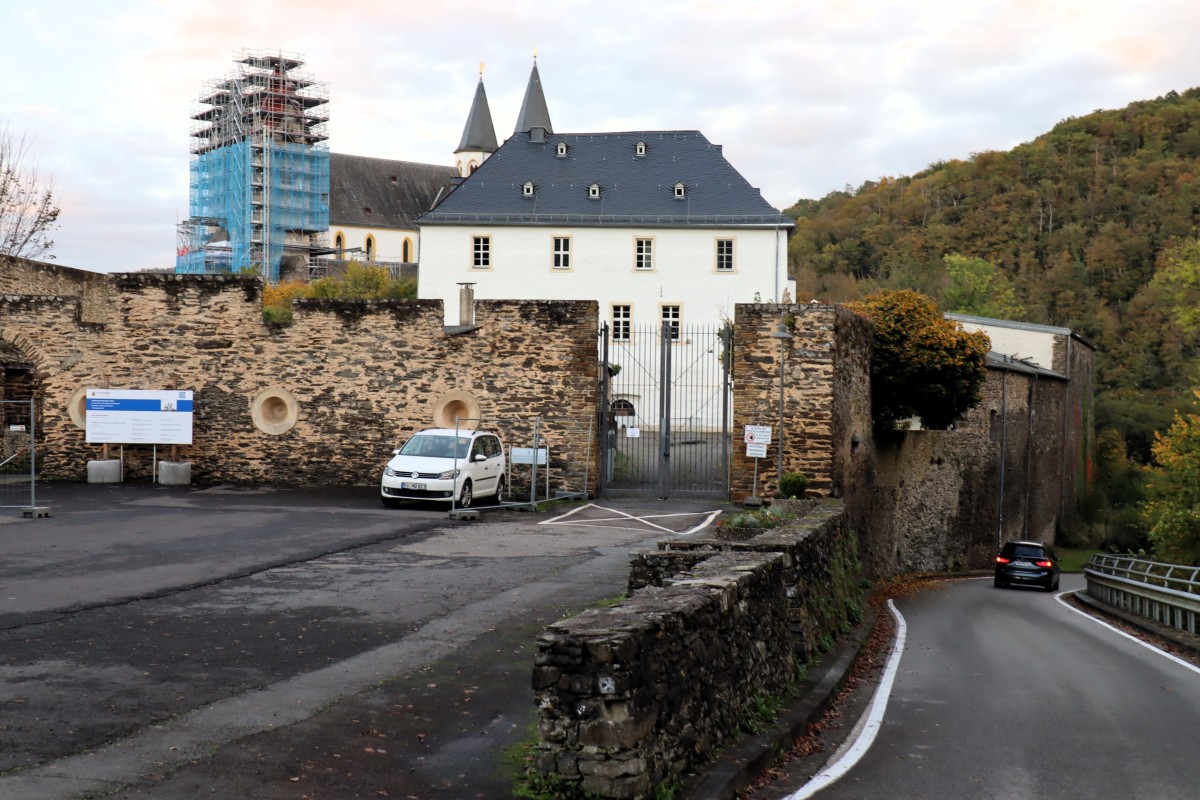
<point x="725" y="261"/>
<point x="643" y="255"/>
<point x="670" y="320"/>
<point x="481" y="252"/>
<point x="622" y="319"/>
<point x="562" y="252"/>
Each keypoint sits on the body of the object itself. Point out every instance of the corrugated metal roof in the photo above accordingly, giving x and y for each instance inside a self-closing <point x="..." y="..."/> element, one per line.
<point x="381" y="193"/>
<point x="637" y="190"/>
<point x="1000" y="361"/>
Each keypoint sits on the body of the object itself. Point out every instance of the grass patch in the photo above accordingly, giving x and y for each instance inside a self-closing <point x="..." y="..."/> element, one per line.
<point x="1074" y="560"/>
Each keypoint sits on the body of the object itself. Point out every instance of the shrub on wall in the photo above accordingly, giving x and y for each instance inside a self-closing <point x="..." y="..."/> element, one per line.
<point x="923" y="365"/>
<point x="361" y="282"/>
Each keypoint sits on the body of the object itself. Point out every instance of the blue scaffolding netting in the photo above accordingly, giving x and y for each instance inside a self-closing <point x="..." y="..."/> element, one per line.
<point x="246" y="198"/>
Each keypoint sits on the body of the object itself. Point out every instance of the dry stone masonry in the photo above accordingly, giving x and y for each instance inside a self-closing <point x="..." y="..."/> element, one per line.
<point x="633" y="695"/>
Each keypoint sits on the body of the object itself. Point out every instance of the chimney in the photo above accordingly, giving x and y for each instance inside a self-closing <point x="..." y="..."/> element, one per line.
<point x="466" y="304"/>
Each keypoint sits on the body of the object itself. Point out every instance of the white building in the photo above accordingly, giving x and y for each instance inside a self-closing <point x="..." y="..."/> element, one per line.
<point x="657" y="226"/>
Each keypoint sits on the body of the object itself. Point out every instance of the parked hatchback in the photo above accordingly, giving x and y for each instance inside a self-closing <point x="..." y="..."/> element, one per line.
<point x="446" y="466"/>
<point x="1031" y="563"/>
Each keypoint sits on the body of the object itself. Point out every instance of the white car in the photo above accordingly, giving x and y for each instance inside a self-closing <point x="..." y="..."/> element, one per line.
<point x="445" y="466"/>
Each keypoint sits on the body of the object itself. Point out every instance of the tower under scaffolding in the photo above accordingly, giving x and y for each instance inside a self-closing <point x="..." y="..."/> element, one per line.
<point x="259" y="199"/>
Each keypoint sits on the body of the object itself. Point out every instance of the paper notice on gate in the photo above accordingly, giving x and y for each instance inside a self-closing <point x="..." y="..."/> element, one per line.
<point x="633" y="433"/>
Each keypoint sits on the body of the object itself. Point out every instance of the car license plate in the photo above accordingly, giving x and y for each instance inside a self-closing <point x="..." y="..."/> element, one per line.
<point x="412" y="485"/>
<point x="1022" y="563"/>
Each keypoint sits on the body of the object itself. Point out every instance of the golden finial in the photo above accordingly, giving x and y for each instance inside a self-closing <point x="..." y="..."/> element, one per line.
<point x="535" y="54"/>
<point x="481" y="69"/>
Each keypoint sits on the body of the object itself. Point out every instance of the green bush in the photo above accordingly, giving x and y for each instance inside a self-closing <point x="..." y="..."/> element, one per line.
<point x="793" y="484"/>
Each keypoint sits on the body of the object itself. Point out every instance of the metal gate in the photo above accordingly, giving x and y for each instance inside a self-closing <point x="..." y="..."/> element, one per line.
<point x="665" y="400"/>
<point x="18" y="459"/>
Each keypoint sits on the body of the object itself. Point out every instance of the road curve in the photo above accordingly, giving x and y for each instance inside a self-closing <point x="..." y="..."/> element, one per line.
<point x="1010" y="694"/>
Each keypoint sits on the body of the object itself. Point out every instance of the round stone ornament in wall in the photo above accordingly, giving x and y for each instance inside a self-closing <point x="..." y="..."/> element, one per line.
<point x="77" y="408"/>
<point x="274" y="410"/>
<point x="456" y="404"/>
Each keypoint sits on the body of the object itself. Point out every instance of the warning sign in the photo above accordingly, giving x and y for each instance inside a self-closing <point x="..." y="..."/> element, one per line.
<point x="758" y="434"/>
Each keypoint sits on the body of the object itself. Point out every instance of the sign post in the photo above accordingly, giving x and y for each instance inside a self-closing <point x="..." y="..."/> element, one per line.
<point x="757" y="438"/>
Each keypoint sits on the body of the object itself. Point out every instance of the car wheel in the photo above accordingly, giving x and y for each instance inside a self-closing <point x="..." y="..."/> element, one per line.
<point x="464" y="496"/>
<point x="390" y="502"/>
<point x="998" y="582"/>
<point x="500" y="487"/>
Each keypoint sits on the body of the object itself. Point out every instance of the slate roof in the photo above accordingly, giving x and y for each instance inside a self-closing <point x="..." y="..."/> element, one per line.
<point x="634" y="190"/>
<point x="396" y="192"/>
<point x="534" y="113"/>
<point x="479" y="134"/>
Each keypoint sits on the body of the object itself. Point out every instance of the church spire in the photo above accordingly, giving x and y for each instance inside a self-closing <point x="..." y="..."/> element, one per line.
<point x="479" y="135"/>
<point x="534" y="113"/>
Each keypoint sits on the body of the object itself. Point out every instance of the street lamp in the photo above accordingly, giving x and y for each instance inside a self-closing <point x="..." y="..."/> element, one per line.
<point x="781" y="333"/>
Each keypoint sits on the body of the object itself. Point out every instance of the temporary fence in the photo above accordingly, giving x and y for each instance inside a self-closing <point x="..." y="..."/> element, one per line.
<point x="18" y="459"/>
<point x="547" y="458"/>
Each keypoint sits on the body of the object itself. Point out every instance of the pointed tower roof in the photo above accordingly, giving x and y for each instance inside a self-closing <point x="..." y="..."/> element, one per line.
<point x="480" y="134"/>
<point x="534" y="113"/>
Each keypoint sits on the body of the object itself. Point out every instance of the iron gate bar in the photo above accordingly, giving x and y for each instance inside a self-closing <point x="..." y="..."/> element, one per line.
<point x="680" y="447"/>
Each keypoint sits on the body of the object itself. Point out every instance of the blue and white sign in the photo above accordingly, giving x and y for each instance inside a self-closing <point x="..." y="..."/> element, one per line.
<point x="139" y="416"/>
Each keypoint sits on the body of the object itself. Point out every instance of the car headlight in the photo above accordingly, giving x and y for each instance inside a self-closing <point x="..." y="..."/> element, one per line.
<point x="448" y="475"/>
<point x="391" y="473"/>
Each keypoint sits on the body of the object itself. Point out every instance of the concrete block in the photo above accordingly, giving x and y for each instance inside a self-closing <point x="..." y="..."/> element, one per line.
<point x="175" y="473"/>
<point x="104" y="470"/>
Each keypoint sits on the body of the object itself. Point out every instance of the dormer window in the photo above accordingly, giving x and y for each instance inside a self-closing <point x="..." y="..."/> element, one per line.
<point x="561" y="150"/>
<point x="640" y="149"/>
<point x="680" y="191"/>
<point x="594" y="191"/>
<point x="527" y="189"/>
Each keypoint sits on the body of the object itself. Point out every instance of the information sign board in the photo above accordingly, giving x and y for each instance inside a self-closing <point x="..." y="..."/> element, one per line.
<point x="139" y="416"/>
<point x="756" y="451"/>
<point x="526" y="455"/>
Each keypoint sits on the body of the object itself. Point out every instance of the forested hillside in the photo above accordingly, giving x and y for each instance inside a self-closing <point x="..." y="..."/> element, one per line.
<point x="1070" y="229"/>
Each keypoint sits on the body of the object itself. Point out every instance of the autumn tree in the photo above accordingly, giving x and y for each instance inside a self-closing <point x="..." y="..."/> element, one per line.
<point x="28" y="207"/>
<point x="976" y="286"/>
<point x="1173" y="512"/>
<point x="922" y="365"/>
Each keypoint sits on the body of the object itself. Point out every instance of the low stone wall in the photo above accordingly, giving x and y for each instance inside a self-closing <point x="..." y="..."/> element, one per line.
<point x="821" y="570"/>
<point x="633" y="695"/>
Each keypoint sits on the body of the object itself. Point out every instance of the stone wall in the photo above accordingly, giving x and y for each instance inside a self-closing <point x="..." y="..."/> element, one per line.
<point x="363" y="374"/>
<point x="633" y="695"/>
<point x="826" y="393"/>
<point x="19" y="276"/>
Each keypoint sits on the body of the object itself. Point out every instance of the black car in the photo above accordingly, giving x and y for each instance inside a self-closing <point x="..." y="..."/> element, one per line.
<point x="1030" y="563"/>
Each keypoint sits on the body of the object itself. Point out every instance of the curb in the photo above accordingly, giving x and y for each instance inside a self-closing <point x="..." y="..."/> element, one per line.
<point x="745" y="759"/>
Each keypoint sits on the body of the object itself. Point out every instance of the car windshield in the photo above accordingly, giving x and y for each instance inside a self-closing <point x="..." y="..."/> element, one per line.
<point x="431" y="446"/>
<point x="1024" y="551"/>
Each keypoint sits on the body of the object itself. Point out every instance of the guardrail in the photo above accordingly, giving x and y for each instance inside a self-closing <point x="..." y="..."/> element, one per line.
<point x="1166" y="593"/>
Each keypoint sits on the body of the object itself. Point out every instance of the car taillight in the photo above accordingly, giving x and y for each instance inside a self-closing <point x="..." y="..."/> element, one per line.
<point x="1002" y="560"/>
<point x="1046" y="564"/>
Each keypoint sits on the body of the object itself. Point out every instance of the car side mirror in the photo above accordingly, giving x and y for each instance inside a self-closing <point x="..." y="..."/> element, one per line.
<point x="480" y="457"/>
<point x="396" y="452"/>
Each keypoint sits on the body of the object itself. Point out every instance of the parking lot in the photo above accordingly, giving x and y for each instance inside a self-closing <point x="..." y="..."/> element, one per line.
<point x="164" y="632"/>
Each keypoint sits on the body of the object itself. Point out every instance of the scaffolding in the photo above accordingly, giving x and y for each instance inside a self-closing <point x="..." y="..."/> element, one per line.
<point x="259" y="175"/>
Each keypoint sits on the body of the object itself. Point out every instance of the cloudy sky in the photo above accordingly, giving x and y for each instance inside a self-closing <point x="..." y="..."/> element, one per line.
<point x="805" y="95"/>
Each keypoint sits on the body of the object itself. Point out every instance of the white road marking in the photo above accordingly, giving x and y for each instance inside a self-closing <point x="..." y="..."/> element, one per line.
<point x="1118" y="631"/>
<point x="621" y="516"/>
<point x="832" y="772"/>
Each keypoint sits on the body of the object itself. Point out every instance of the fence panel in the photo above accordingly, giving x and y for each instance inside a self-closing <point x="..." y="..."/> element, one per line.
<point x="18" y="457"/>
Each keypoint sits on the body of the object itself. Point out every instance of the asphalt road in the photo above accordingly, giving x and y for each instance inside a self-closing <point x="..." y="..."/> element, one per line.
<point x="1009" y="694"/>
<point x="154" y="640"/>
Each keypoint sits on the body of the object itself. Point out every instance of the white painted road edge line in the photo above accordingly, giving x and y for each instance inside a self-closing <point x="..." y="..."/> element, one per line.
<point x="1118" y="631"/>
<point x="833" y="772"/>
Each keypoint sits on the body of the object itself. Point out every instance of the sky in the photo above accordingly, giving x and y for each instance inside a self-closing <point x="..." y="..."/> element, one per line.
<point x="806" y="96"/>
